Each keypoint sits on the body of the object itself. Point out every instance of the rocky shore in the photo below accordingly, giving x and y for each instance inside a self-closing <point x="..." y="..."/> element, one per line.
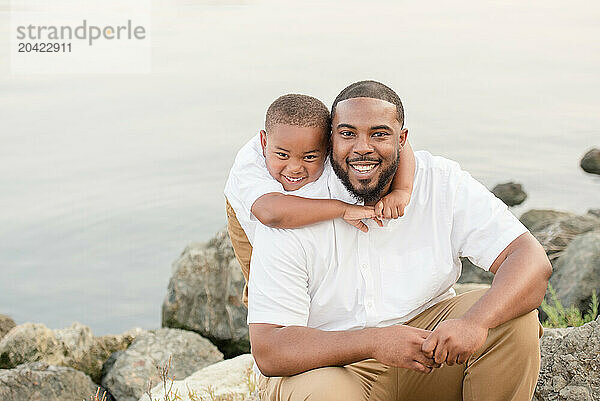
<point x="202" y="350"/>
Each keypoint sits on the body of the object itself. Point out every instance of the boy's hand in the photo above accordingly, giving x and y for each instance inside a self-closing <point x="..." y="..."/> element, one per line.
<point x="353" y="214"/>
<point x="392" y="205"/>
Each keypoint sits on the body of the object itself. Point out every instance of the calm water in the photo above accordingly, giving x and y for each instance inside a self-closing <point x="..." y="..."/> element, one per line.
<point x="105" y="178"/>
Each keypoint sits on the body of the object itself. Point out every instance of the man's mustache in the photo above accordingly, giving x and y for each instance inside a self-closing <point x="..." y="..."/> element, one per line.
<point x="363" y="159"/>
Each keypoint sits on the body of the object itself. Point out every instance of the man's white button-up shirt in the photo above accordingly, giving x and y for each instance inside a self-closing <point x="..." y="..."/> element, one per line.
<point x="332" y="276"/>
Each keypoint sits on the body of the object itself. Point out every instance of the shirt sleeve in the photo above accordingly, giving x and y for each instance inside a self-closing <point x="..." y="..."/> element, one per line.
<point x="249" y="179"/>
<point x="278" y="285"/>
<point x="482" y="224"/>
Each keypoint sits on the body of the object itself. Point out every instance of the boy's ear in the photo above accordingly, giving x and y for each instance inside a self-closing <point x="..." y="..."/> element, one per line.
<point x="263" y="140"/>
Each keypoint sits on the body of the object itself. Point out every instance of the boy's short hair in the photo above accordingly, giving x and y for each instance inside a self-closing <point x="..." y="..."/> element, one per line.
<point x="374" y="90"/>
<point x="298" y="110"/>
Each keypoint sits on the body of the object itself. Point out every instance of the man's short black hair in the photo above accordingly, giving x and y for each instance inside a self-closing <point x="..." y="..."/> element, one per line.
<point x="298" y="110"/>
<point x="374" y="90"/>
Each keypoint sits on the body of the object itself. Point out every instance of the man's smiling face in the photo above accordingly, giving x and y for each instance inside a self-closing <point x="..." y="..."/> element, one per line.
<point x="366" y="139"/>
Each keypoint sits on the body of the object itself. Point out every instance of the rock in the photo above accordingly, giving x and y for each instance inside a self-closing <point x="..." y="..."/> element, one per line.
<point x="537" y="219"/>
<point x="101" y="350"/>
<point x="555" y="230"/>
<point x="6" y="324"/>
<point x="510" y="193"/>
<point x="74" y="347"/>
<point x="590" y="162"/>
<point x="466" y="287"/>
<point x="38" y="381"/>
<point x="204" y="295"/>
<point x="110" y="362"/>
<point x="577" y="272"/>
<point x="594" y="212"/>
<point x="232" y="378"/>
<point x="473" y="274"/>
<point x="570" y="368"/>
<point x="133" y="369"/>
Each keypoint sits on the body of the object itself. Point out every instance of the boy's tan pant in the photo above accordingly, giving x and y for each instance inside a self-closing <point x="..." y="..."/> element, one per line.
<point x="505" y="368"/>
<point x="241" y="247"/>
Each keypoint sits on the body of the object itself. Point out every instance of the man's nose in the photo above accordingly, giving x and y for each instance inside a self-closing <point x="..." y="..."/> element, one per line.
<point x="362" y="146"/>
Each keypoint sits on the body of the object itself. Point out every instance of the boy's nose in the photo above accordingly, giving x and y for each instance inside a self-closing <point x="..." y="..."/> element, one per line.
<point x="295" y="168"/>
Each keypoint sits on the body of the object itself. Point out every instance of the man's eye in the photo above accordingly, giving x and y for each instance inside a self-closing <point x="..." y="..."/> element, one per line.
<point x="380" y="134"/>
<point x="346" y="133"/>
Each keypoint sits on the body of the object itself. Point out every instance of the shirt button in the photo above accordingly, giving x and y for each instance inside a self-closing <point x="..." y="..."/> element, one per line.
<point x="369" y="304"/>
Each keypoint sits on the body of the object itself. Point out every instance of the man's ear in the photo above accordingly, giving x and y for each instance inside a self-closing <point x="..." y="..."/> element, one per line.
<point x="263" y="140"/>
<point x="403" y="137"/>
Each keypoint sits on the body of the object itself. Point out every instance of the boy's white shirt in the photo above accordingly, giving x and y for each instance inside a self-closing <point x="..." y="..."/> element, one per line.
<point x="249" y="179"/>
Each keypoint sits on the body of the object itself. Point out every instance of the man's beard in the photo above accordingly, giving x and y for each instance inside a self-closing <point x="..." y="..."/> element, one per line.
<point x="365" y="194"/>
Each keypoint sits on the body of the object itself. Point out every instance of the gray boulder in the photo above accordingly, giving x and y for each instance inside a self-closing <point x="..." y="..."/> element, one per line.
<point x="594" y="212"/>
<point x="38" y="381"/>
<point x="577" y="272"/>
<point x="6" y="324"/>
<point x="473" y="274"/>
<point x="133" y="370"/>
<point x="232" y="379"/>
<point x="204" y="295"/>
<point x="73" y="347"/>
<point x="510" y="193"/>
<point x="590" y="162"/>
<point x="570" y="368"/>
<point x="555" y="230"/>
<point x="537" y="219"/>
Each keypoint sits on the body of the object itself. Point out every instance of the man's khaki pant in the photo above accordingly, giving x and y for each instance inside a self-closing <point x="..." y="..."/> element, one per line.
<point x="505" y="368"/>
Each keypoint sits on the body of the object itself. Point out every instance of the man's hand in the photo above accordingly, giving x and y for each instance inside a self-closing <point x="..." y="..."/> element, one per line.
<point x="393" y="204"/>
<point x="454" y="341"/>
<point x="401" y="346"/>
<point x="353" y="214"/>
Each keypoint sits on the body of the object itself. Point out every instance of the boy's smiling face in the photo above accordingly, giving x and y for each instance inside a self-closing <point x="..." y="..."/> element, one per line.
<point x="294" y="155"/>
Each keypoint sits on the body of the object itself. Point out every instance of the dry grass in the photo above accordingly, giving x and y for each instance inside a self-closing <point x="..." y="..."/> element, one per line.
<point x="97" y="396"/>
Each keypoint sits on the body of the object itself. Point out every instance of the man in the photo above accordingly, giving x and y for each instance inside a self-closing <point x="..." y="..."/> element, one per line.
<point x="339" y="314"/>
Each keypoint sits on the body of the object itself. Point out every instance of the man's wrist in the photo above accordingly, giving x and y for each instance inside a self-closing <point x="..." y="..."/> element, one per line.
<point x="372" y="340"/>
<point x="475" y="320"/>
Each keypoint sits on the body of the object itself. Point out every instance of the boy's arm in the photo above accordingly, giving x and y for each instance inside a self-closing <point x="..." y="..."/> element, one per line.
<point x="289" y="211"/>
<point x="392" y="205"/>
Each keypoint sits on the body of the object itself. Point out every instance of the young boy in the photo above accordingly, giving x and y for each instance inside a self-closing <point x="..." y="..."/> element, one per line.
<point x="277" y="171"/>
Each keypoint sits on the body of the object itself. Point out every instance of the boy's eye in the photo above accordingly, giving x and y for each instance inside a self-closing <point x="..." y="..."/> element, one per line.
<point x="281" y="154"/>
<point x="310" y="157"/>
<point x="346" y="133"/>
<point x="380" y="134"/>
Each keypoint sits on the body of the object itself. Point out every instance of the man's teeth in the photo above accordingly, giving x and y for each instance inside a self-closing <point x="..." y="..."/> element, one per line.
<point x="363" y="168"/>
<point x="294" y="179"/>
